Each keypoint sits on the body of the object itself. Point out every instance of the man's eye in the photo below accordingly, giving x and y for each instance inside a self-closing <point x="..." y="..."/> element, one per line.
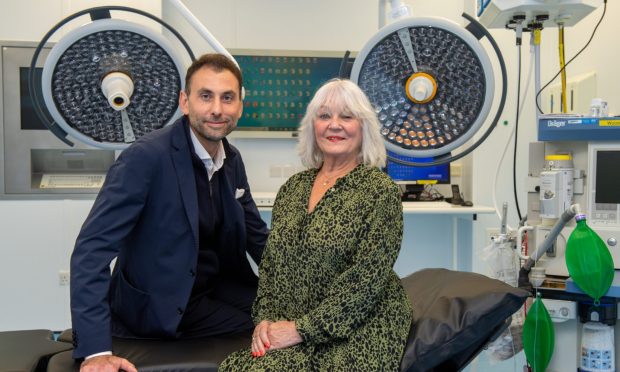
<point x="205" y="96"/>
<point x="227" y="98"/>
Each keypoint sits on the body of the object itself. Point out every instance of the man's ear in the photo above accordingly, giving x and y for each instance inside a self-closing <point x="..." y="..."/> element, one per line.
<point x="240" y="111"/>
<point x="183" y="102"/>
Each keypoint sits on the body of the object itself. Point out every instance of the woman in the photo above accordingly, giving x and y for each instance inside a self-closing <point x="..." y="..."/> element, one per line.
<point x="328" y="298"/>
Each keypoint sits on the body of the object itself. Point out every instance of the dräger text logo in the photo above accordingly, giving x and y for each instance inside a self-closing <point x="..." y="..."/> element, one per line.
<point x="556" y="123"/>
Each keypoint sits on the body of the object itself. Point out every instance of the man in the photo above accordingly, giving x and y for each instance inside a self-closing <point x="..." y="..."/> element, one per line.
<point x="177" y="214"/>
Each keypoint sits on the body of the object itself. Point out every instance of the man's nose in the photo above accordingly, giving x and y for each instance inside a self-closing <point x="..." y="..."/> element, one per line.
<point x="216" y="107"/>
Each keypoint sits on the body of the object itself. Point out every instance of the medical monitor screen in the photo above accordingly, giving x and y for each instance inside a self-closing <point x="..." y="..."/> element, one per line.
<point x="279" y="85"/>
<point x="607" y="179"/>
<point x="404" y="174"/>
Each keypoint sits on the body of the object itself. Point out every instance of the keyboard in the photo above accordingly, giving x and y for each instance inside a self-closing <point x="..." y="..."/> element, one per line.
<point x="71" y="181"/>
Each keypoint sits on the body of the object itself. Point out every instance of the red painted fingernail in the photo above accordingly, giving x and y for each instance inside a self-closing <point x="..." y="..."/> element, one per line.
<point x="267" y="345"/>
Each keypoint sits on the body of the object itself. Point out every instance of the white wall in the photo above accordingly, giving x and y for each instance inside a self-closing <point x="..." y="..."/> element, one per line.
<point x="36" y="237"/>
<point x="30" y="20"/>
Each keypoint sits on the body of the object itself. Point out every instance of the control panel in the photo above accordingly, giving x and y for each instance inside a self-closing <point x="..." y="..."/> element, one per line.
<point x="561" y="311"/>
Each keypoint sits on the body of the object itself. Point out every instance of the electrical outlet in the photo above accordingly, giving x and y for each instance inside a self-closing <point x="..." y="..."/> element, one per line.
<point x="275" y="171"/>
<point x="63" y="277"/>
<point x="288" y="170"/>
<point x="456" y="169"/>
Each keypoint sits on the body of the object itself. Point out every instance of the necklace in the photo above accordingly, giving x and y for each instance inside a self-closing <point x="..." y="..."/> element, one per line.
<point x="328" y="180"/>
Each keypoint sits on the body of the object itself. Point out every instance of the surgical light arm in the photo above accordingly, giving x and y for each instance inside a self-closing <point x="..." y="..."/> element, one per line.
<point x="204" y="32"/>
<point x="399" y="10"/>
<point x="200" y="28"/>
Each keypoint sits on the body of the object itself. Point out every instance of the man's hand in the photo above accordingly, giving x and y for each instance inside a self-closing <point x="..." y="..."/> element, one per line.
<point x="107" y="363"/>
<point x="274" y="335"/>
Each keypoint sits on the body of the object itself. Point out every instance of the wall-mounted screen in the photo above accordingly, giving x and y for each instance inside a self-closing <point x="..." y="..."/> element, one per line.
<point x="29" y="118"/>
<point x="280" y="84"/>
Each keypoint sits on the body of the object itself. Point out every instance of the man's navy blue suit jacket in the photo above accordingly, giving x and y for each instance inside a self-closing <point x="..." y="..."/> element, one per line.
<point x="146" y="215"/>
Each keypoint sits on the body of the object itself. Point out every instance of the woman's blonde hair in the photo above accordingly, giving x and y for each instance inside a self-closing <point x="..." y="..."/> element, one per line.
<point x="350" y="98"/>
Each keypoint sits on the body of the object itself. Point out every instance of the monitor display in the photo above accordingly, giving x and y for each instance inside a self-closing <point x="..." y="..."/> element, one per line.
<point x="29" y="118"/>
<point x="607" y="180"/>
<point x="603" y="186"/>
<point x="279" y="85"/>
<point x="408" y="175"/>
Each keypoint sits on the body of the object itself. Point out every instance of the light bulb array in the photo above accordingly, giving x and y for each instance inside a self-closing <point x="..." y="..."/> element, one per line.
<point x="460" y="88"/>
<point x="76" y="84"/>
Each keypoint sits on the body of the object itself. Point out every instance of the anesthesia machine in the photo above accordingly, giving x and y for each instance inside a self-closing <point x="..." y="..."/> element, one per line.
<point x="572" y="170"/>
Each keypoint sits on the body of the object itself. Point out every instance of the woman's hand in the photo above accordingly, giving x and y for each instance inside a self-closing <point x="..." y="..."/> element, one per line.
<point x="260" y="339"/>
<point x="283" y="334"/>
<point x="274" y="335"/>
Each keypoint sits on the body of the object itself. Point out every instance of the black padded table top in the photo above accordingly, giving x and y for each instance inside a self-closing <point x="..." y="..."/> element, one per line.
<point x="193" y="355"/>
<point x="28" y="350"/>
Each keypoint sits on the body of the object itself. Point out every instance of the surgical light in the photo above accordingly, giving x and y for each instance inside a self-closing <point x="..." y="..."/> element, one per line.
<point x="110" y="81"/>
<point x="431" y="84"/>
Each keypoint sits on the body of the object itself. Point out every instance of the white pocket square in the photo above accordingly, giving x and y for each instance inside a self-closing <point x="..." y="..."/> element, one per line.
<point x="239" y="193"/>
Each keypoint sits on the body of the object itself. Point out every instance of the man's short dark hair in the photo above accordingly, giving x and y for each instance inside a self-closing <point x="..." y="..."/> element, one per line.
<point x="215" y="61"/>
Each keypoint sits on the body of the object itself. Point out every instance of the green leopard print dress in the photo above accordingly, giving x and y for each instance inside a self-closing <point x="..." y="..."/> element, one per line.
<point x="331" y="272"/>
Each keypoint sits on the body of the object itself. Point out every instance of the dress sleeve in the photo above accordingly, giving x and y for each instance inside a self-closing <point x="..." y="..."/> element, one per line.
<point x="354" y="294"/>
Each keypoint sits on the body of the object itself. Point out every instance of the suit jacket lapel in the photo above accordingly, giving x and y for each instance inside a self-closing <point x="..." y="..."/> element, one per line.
<point x="185" y="175"/>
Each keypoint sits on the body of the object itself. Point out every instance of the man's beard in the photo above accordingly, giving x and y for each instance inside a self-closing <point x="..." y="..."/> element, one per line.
<point x="213" y="135"/>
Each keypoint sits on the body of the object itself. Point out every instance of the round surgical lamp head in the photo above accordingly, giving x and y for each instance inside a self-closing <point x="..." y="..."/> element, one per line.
<point x="111" y="81"/>
<point x="431" y="84"/>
